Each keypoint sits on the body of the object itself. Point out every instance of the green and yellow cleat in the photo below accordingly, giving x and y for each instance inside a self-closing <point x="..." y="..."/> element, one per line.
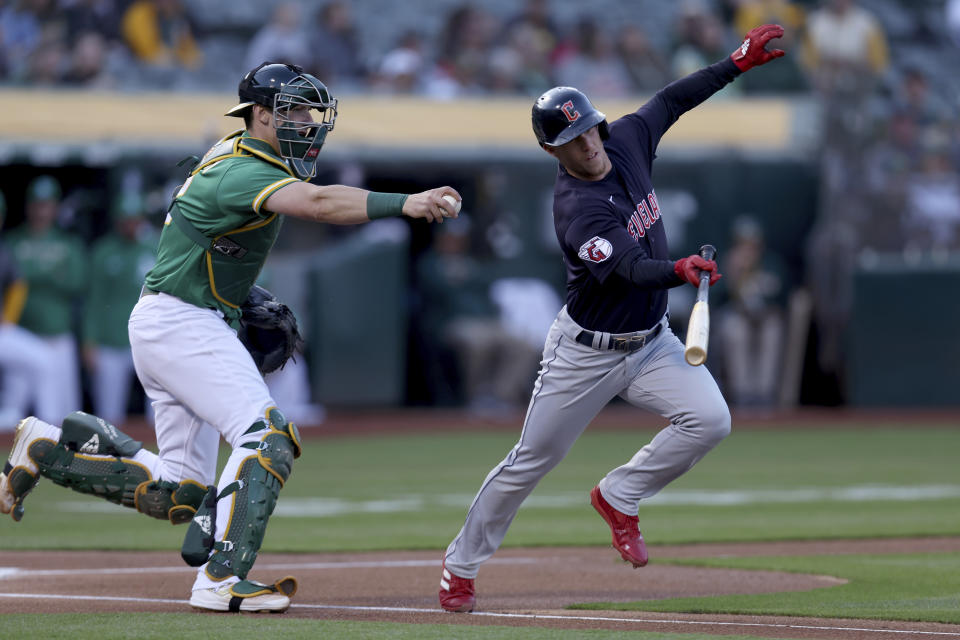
<point x="20" y="473"/>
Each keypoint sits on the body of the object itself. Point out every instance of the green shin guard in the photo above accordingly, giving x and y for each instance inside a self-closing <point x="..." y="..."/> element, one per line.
<point x="71" y="463"/>
<point x="258" y="484"/>
<point x="114" y="479"/>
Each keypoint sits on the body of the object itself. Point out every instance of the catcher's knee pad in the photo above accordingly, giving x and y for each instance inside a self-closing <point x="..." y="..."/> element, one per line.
<point x="173" y="501"/>
<point x="87" y="433"/>
<point x="262" y="474"/>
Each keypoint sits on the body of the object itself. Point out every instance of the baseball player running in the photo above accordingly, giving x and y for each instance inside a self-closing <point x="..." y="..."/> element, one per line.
<point x="612" y="337"/>
<point x="202" y="381"/>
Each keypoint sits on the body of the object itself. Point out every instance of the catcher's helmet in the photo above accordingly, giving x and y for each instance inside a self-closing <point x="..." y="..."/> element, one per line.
<point x="281" y="88"/>
<point x="563" y="113"/>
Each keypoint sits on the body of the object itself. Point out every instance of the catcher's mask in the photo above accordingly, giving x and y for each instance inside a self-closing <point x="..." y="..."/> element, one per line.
<point x="563" y="113"/>
<point x="303" y="111"/>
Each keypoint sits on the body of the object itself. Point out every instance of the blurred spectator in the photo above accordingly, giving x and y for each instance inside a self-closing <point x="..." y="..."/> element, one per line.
<point x="751" y="325"/>
<point x="88" y="66"/>
<point x="120" y="261"/>
<point x="523" y="55"/>
<point x="527" y="308"/>
<point x="915" y="98"/>
<point x="24" y="361"/>
<point x="831" y="256"/>
<point x="845" y="50"/>
<point x="750" y="13"/>
<point x="592" y="64"/>
<point x="53" y="264"/>
<point x="932" y="219"/>
<point x="283" y="39"/>
<point x="496" y="366"/>
<point x="536" y="21"/>
<point x="466" y="42"/>
<point x="520" y="63"/>
<point x="49" y="60"/>
<point x="700" y="41"/>
<point x="952" y="15"/>
<point x="890" y="162"/>
<point x="161" y="33"/>
<point x="21" y="30"/>
<point x="845" y="56"/>
<point x="402" y="68"/>
<point x="647" y="68"/>
<point x="337" y="53"/>
<point x="100" y="16"/>
<point x="788" y="76"/>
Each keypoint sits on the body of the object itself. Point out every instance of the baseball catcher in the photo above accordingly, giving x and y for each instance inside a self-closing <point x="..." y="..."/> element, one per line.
<point x="197" y="317"/>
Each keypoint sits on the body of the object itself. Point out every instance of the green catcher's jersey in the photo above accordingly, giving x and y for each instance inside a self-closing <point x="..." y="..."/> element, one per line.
<point x="222" y="200"/>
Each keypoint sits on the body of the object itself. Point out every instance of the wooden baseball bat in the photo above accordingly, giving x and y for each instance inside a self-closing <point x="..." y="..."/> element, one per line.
<point x="698" y="329"/>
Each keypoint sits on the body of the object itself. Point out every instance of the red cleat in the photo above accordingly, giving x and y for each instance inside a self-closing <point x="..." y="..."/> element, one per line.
<point x="625" y="530"/>
<point x="456" y="593"/>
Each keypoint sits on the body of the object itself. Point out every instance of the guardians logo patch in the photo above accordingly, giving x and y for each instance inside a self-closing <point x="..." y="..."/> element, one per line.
<point x="596" y="249"/>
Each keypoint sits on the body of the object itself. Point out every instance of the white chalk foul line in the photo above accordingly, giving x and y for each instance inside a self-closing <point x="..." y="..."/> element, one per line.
<point x="515" y="616"/>
<point x="56" y="596"/>
<point x="17" y="572"/>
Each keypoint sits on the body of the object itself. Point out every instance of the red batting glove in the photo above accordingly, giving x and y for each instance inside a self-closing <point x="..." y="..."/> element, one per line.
<point x="753" y="53"/>
<point x="688" y="269"/>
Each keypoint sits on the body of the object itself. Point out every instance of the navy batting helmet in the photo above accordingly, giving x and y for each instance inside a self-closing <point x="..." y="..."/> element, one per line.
<point x="562" y="114"/>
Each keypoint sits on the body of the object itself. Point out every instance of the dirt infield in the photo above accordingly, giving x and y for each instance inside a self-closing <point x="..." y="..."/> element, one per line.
<point x="518" y="587"/>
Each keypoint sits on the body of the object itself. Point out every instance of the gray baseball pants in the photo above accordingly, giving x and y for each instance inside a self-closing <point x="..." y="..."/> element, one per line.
<point x="575" y="382"/>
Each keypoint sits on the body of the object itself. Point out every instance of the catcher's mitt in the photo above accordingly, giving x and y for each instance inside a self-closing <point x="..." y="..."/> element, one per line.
<point x="268" y="329"/>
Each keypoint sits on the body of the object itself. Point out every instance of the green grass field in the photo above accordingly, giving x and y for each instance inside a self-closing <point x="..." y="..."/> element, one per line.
<point x="156" y="626"/>
<point x="784" y="483"/>
<point x="907" y="586"/>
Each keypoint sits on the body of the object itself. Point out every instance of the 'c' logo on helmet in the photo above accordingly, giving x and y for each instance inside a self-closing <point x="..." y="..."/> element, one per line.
<point x="570" y="111"/>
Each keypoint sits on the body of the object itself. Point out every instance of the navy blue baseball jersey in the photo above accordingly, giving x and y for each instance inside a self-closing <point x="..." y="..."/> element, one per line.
<point x="611" y="230"/>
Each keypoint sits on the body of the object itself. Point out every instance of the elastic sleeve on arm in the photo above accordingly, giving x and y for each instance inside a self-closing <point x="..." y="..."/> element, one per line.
<point x="647" y="273"/>
<point x="385" y="205"/>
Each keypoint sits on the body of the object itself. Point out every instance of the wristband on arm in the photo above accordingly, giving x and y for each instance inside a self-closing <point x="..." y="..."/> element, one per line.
<point x="385" y="205"/>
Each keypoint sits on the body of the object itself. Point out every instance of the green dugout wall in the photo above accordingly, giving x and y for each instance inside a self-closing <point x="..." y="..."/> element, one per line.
<point x="902" y="335"/>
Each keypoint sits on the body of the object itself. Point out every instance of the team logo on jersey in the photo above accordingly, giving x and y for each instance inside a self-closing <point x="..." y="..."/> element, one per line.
<point x="570" y="111"/>
<point x="596" y="249"/>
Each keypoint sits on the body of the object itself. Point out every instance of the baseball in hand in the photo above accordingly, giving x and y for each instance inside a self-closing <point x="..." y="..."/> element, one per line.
<point x="456" y="203"/>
